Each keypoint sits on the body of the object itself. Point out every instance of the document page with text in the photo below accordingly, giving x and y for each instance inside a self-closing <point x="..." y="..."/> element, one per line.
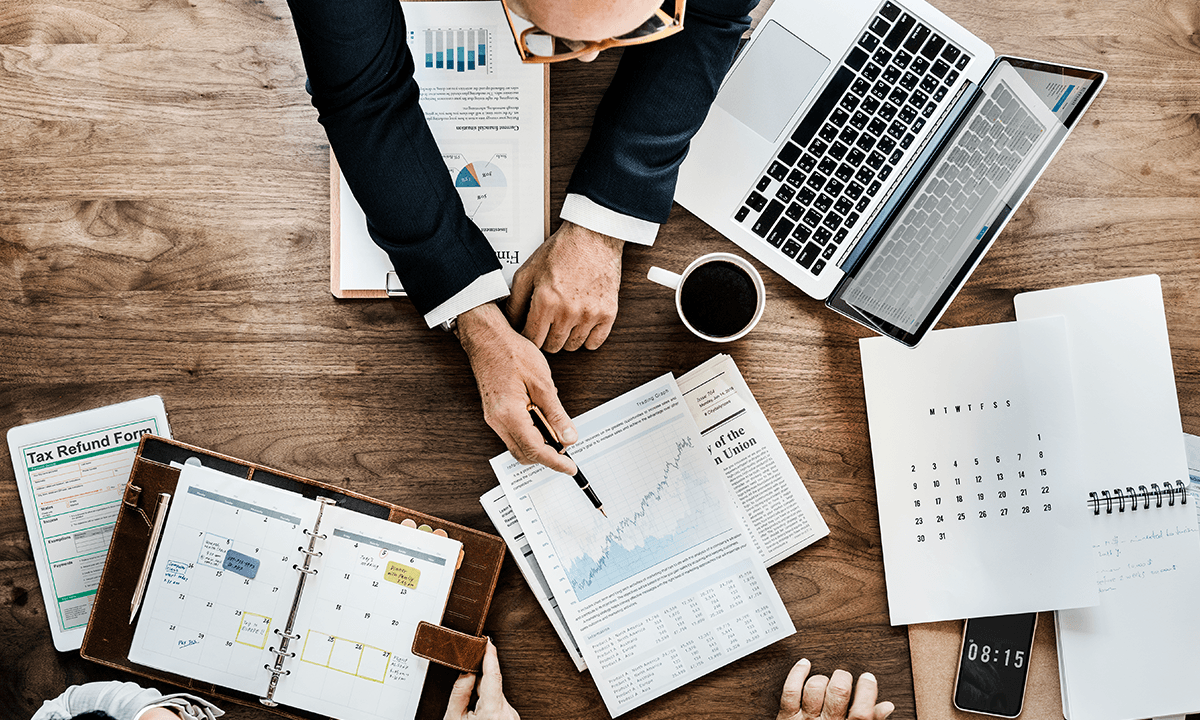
<point x="668" y="586"/>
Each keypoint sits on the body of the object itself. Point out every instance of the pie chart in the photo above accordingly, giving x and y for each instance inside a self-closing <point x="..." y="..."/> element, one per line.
<point x="482" y="187"/>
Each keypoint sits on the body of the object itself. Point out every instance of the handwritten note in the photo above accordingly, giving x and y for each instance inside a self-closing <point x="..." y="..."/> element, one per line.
<point x="240" y="564"/>
<point x="402" y="575"/>
<point x="212" y="552"/>
<point x="175" y="573"/>
<point x="1127" y="657"/>
<point x="253" y="630"/>
<point x="1131" y="558"/>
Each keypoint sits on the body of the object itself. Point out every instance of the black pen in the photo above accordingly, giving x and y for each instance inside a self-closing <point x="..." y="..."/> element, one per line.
<point x="539" y="421"/>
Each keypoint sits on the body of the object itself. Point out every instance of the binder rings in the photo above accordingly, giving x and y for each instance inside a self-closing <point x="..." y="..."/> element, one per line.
<point x="457" y="642"/>
<point x="1142" y="496"/>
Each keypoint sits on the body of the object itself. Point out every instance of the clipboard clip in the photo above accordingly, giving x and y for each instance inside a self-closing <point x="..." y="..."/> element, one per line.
<point x="392" y="286"/>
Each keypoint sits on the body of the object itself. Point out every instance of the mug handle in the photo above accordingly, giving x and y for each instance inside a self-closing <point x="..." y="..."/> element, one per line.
<point x="665" y="278"/>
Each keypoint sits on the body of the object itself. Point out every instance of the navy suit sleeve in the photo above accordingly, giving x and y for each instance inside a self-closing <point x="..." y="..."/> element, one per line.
<point x="657" y="101"/>
<point x="360" y="74"/>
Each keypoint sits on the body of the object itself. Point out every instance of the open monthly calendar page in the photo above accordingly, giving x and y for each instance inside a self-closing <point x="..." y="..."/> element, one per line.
<point x="976" y="448"/>
<point x="224" y="588"/>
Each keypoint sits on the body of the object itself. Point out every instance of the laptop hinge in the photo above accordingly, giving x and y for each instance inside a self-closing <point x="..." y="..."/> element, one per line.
<point x="926" y="150"/>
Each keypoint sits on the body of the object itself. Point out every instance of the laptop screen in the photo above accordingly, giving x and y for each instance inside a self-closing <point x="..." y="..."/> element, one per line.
<point x="922" y="248"/>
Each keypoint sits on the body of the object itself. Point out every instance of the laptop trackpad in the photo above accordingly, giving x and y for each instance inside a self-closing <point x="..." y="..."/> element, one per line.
<point x="772" y="80"/>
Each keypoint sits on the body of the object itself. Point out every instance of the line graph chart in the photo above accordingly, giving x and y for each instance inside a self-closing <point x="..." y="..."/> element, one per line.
<point x="661" y="499"/>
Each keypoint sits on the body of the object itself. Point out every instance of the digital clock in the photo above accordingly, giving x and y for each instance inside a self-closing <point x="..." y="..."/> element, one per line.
<point x="994" y="664"/>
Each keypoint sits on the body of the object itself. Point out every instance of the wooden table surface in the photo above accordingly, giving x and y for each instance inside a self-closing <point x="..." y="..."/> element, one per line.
<point x="164" y="229"/>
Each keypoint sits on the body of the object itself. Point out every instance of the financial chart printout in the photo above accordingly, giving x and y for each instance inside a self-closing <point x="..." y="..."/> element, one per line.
<point x="486" y="110"/>
<point x="668" y="586"/>
<point x="976" y="447"/>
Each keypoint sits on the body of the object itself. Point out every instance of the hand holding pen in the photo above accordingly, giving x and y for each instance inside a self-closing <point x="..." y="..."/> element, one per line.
<point x="553" y="441"/>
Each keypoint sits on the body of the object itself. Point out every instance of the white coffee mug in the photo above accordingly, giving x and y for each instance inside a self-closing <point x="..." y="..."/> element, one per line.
<point x="719" y="297"/>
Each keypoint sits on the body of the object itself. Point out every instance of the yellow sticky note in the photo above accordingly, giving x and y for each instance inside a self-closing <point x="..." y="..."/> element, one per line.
<point x="402" y="575"/>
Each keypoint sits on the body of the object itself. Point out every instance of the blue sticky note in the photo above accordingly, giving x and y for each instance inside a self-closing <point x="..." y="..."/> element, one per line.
<point x="244" y="565"/>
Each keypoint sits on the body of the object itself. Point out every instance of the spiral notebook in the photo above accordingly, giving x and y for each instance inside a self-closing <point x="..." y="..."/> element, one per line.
<point x="297" y="600"/>
<point x="1136" y="654"/>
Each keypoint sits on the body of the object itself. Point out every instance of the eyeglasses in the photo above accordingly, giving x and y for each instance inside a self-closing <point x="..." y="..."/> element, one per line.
<point x="537" y="46"/>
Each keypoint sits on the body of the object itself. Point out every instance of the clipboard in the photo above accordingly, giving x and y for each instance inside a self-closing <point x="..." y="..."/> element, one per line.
<point x="458" y="642"/>
<point x="341" y="201"/>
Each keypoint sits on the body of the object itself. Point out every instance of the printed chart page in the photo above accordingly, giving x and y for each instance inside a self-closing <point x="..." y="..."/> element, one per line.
<point x="1134" y="655"/>
<point x="668" y="587"/>
<point x="375" y="581"/>
<point x="500" y="512"/>
<point x="976" y="451"/>
<point x="71" y="473"/>
<point x="486" y="110"/>
<point x="769" y="495"/>
<point x="223" y="579"/>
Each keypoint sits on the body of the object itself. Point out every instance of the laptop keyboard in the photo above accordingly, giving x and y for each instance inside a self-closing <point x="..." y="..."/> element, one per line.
<point x="939" y="226"/>
<point x="814" y="191"/>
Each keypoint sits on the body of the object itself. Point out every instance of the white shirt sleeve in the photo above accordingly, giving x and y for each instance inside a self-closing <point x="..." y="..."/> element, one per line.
<point x="577" y="209"/>
<point x="484" y="289"/>
<point x="595" y="217"/>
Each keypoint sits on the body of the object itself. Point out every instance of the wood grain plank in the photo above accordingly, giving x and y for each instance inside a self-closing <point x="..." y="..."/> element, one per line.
<point x="164" y="229"/>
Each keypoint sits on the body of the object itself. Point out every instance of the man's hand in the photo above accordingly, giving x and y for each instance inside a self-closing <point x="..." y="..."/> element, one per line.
<point x="829" y="698"/>
<point x="566" y="292"/>
<point x="511" y="373"/>
<point x="492" y="704"/>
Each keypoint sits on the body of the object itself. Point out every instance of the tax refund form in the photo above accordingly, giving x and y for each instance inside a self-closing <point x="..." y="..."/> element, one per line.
<point x="71" y="473"/>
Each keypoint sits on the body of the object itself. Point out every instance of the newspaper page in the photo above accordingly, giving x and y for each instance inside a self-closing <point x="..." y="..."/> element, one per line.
<point x="770" y="496"/>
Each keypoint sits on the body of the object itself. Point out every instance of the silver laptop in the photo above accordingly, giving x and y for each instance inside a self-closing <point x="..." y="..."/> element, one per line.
<point x="870" y="152"/>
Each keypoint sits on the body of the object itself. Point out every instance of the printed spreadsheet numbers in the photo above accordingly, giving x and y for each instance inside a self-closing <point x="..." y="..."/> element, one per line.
<point x="975" y="446"/>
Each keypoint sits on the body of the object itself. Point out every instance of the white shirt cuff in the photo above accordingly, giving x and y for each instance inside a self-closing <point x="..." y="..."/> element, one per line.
<point x="484" y="289"/>
<point x="597" y="218"/>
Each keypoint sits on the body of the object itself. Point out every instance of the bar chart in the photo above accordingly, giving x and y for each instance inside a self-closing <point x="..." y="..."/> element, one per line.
<point x="458" y="50"/>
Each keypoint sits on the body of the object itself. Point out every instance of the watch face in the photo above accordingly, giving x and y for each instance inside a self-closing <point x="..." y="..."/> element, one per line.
<point x="994" y="664"/>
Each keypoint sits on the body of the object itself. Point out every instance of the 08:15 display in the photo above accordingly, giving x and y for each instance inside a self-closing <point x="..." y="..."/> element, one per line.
<point x="994" y="664"/>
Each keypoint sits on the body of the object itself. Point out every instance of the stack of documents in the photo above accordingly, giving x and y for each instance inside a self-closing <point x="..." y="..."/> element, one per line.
<point x="1038" y="465"/>
<point x="700" y="498"/>
<point x="1133" y="655"/>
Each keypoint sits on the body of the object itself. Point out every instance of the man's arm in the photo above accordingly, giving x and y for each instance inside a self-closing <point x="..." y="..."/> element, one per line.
<point x="565" y="296"/>
<point x="656" y="103"/>
<point x="360" y="74"/>
<point x="361" y="78"/>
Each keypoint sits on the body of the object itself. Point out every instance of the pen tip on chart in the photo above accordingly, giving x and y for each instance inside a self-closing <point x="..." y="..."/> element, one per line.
<point x="602" y="512"/>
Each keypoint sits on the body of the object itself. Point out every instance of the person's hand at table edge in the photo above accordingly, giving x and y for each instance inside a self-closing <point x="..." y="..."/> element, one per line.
<point x="565" y="295"/>
<point x="492" y="705"/>
<point x="511" y="373"/>
<point x="828" y="698"/>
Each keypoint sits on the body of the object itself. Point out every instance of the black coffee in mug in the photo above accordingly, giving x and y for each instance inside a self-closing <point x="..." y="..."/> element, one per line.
<point x="718" y="298"/>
